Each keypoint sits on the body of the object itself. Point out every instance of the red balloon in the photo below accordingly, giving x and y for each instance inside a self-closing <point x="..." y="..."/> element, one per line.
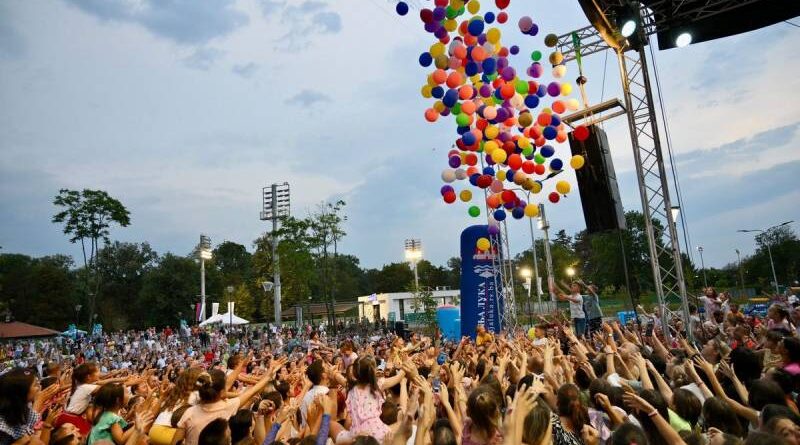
<point x="508" y="196"/>
<point x="553" y="197"/>
<point x="426" y="15"/>
<point x="539" y="169"/>
<point x="472" y="159"/>
<point x="441" y="3"/>
<point x="514" y="161"/>
<point x="528" y="167"/>
<point x="484" y="181"/>
<point x="503" y="52"/>
<point x="502" y="17"/>
<point x="581" y="133"/>
<point x="449" y="197"/>
<point x="502" y="4"/>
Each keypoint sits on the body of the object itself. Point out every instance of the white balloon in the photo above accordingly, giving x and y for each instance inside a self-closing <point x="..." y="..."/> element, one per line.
<point x="448" y="175"/>
<point x="559" y="71"/>
<point x="461" y="173"/>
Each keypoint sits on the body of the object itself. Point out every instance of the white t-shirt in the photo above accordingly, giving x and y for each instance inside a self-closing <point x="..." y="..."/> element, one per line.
<point x="576" y="308"/>
<point x="308" y="399"/>
<point x="81" y="398"/>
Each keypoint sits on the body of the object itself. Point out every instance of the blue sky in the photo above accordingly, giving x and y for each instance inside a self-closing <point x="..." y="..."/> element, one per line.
<point x="183" y="110"/>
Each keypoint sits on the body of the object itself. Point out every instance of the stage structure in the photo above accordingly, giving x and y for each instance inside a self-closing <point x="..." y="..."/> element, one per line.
<point x="625" y="27"/>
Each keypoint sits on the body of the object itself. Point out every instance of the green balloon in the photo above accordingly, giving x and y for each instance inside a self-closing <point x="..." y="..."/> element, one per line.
<point x="527" y="151"/>
<point x="450" y="12"/>
<point x="480" y="146"/>
<point x="536" y="56"/>
<point x="474" y="211"/>
<point x="462" y="120"/>
<point x="521" y="86"/>
<point x="456" y="109"/>
<point x="538" y="158"/>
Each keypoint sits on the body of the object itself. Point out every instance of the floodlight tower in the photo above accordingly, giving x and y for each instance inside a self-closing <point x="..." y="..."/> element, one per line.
<point x="413" y="252"/>
<point x="204" y="252"/>
<point x="276" y="205"/>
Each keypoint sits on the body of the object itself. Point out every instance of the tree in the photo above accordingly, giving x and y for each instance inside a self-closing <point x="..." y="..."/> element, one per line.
<point x="326" y="229"/>
<point x="122" y="268"/>
<point x="233" y="261"/>
<point x="38" y="290"/>
<point x="87" y="217"/>
<point x="168" y="291"/>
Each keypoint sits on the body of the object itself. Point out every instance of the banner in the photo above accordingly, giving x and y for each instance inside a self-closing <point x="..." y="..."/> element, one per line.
<point x="480" y="302"/>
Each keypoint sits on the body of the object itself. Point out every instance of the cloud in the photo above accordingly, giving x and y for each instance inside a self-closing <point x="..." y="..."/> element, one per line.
<point x="11" y="43"/>
<point x="183" y="21"/>
<point x="246" y="70"/>
<point x="307" y="98"/>
<point x="203" y="58"/>
<point x="303" y="21"/>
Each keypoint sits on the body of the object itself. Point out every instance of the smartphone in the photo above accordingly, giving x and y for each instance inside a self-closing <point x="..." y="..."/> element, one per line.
<point x="649" y="331"/>
<point x="437" y="383"/>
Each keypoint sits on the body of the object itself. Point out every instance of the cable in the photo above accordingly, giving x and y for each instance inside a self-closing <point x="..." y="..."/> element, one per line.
<point x="603" y="87"/>
<point x="673" y="168"/>
<point x="790" y="23"/>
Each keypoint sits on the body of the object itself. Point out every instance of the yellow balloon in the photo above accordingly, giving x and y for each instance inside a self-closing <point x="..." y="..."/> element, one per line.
<point x="573" y="104"/>
<point x="562" y="187"/>
<point x="491" y="132"/>
<point x="531" y="210"/>
<point x="437" y="49"/>
<point x="499" y="156"/>
<point x="483" y="244"/>
<point x="489" y="147"/>
<point x="426" y="91"/>
<point x="566" y="89"/>
<point x="524" y="142"/>
<point x="439" y="106"/>
<point x="520" y="177"/>
<point x="529" y="183"/>
<point x="465" y="195"/>
<point x="450" y="25"/>
<point x="501" y="175"/>
<point x="473" y="7"/>
<point x="537" y="187"/>
<point x="576" y="162"/>
<point x="493" y="35"/>
<point x="457" y="4"/>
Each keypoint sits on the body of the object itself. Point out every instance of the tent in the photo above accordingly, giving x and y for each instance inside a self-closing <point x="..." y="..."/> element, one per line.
<point x="17" y="329"/>
<point x="224" y="319"/>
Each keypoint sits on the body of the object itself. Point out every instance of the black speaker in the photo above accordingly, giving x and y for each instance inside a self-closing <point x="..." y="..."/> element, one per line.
<point x="597" y="182"/>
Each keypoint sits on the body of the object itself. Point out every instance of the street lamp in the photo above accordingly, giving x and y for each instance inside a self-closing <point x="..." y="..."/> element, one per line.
<point x="570" y="272"/>
<point x="77" y="314"/>
<point x="741" y="277"/>
<point x="769" y="249"/>
<point x="204" y="252"/>
<point x="703" y="265"/>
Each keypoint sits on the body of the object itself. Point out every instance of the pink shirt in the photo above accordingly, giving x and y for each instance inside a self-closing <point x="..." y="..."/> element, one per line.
<point x="365" y="406"/>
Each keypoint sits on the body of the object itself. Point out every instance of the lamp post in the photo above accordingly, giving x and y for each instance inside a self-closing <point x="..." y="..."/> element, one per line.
<point x="276" y="205"/>
<point x="205" y="254"/>
<point x="703" y="265"/>
<point x="526" y="274"/>
<point x="769" y="249"/>
<point x="741" y="277"/>
<point x="77" y="314"/>
<point x="544" y="225"/>
<point x="229" y="291"/>
<point x="413" y="253"/>
<point x="570" y="272"/>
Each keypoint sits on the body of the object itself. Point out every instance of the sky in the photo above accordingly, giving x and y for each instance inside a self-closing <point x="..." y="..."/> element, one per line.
<point x="184" y="110"/>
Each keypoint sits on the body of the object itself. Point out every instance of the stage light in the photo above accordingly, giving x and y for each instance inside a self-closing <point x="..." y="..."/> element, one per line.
<point x="683" y="39"/>
<point x="628" y="28"/>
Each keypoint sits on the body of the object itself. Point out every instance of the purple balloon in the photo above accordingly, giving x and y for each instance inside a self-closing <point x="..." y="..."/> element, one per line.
<point x="431" y="26"/>
<point x="509" y="205"/>
<point x="439" y="13"/>
<point x="536" y="70"/>
<point x="454" y="161"/>
<point x="554" y="89"/>
<point x="440" y="33"/>
<point x="494" y="229"/>
<point x="501" y="115"/>
<point x="482" y="39"/>
<point x="445" y="112"/>
<point x="502" y="62"/>
<point x="446" y="188"/>
<point x="504" y="137"/>
<point x="486" y="90"/>
<point x="489" y="160"/>
<point x="514" y="49"/>
<point x="508" y="73"/>
<point x="534" y="30"/>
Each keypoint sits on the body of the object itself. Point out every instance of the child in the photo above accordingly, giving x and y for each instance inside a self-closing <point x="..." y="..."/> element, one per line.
<point x="108" y="424"/>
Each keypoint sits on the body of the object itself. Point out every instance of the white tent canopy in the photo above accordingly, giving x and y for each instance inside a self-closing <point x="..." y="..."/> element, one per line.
<point x="225" y="319"/>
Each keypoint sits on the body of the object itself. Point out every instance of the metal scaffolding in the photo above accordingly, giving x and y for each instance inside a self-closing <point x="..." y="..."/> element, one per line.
<point x="503" y="269"/>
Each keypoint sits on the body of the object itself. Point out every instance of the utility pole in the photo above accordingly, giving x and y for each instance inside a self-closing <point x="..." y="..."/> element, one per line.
<point x="703" y="265"/>
<point x="204" y="252"/>
<point x="544" y="225"/>
<point x="276" y="205"/>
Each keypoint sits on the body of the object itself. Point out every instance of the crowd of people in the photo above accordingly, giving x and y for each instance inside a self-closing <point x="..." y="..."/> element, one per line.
<point x="721" y="378"/>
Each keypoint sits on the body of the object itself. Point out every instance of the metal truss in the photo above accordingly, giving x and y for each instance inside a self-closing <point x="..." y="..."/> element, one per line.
<point x="504" y="281"/>
<point x="665" y="258"/>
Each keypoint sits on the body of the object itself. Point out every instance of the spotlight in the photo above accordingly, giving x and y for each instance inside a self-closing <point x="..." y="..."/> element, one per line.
<point x="628" y="28"/>
<point x="683" y="39"/>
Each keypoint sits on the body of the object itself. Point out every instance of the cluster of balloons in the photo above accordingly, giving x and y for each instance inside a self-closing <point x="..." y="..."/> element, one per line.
<point x="505" y="146"/>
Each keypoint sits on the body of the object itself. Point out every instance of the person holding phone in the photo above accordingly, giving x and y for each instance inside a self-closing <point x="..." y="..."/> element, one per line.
<point x="575" y="300"/>
<point x="591" y="306"/>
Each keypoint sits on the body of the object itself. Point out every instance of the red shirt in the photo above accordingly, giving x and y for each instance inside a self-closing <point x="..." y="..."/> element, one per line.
<point x="209" y="357"/>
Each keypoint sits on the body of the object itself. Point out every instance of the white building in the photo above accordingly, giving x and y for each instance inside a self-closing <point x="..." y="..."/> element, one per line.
<point x="397" y="306"/>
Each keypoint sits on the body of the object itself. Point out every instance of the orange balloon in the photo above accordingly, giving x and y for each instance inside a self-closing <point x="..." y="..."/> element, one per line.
<point x="559" y="107"/>
<point x="470" y="40"/>
<point x="471" y="171"/>
<point x="431" y="115"/>
<point x="454" y="79"/>
<point x="460" y="51"/>
<point x="468" y="107"/>
<point x="465" y="92"/>
<point x="561" y="136"/>
<point x="507" y="91"/>
<point x="479" y="54"/>
<point x="439" y="76"/>
<point x="493" y="201"/>
<point x="544" y="119"/>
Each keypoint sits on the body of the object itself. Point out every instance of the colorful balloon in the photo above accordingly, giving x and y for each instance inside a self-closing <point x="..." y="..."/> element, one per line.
<point x="483" y="244"/>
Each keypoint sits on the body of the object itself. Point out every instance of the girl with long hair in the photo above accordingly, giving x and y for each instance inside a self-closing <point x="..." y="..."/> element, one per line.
<point x="108" y="424"/>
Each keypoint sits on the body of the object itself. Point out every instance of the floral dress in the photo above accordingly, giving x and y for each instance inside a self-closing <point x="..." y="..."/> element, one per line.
<point x="364" y="406"/>
<point x="560" y="434"/>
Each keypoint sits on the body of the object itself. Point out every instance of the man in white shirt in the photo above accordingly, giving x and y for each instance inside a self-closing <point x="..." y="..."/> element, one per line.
<point x="319" y="378"/>
<point x="575" y="306"/>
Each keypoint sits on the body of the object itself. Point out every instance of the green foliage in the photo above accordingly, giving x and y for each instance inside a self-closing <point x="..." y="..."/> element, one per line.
<point x="122" y="268"/>
<point x="168" y="291"/>
<point x="40" y="291"/>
